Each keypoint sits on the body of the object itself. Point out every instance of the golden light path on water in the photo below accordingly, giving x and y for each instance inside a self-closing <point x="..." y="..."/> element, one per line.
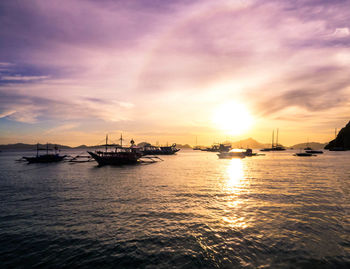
<point x="235" y="182"/>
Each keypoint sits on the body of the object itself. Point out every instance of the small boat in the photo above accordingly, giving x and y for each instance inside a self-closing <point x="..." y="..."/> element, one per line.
<point x="304" y="154"/>
<point x="153" y="150"/>
<point x="237" y="153"/>
<point x="314" y="151"/>
<point x="169" y="150"/>
<point x="197" y="147"/>
<point x="274" y="147"/>
<point x="45" y="158"/>
<point x="307" y="145"/>
<point x="121" y="155"/>
<point x="213" y="148"/>
<point x="218" y="148"/>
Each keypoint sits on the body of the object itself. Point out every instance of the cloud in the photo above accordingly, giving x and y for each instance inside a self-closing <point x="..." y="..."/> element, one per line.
<point x="341" y="32"/>
<point x="62" y="128"/>
<point x="22" y="78"/>
<point x="7" y="113"/>
<point x="33" y="109"/>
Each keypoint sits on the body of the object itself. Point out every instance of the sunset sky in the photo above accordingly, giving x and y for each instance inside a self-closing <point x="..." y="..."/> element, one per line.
<point x="168" y="71"/>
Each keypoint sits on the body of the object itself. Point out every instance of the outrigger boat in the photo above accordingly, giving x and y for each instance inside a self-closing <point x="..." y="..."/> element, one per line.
<point x="121" y="155"/>
<point x="152" y="150"/>
<point x="238" y="153"/>
<point x="45" y="158"/>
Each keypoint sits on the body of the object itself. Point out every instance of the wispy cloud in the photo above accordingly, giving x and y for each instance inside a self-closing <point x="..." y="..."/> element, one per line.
<point x="62" y="128"/>
<point x="341" y="32"/>
<point x="22" y="78"/>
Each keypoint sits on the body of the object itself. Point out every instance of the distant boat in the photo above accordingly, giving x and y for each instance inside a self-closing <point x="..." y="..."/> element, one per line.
<point x="218" y="148"/>
<point x="167" y="150"/>
<point x="196" y="147"/>
<point x="314" y="151"/>
<point x="304" y="154"/>
<point x="45" y="158"/>
<point x="237" y="153"/>
<point x="121" y="155"/>
<point x="274" y="147"/>
<point x="307" y="145"/>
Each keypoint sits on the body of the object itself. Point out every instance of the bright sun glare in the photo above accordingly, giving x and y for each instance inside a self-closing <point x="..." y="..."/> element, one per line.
<point x="232" y="118"/>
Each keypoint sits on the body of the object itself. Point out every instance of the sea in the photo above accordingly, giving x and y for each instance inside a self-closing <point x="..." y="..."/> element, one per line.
<point x="190" y="210"/>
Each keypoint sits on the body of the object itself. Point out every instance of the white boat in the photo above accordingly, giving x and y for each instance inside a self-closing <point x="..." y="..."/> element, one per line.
<point x="236" y="153"/>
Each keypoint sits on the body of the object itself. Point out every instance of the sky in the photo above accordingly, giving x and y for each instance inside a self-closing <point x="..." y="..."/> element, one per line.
<point x="72" y="71"/>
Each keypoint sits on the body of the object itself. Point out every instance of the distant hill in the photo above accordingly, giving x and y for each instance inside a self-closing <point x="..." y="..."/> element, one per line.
<point x="342" y="141"/>
<point x="22" y="146"/>
<point x="143" y="144"/>
<point x="249" y="143"/>
<point x="185" y="146"/>
<point x="313" y="145"/>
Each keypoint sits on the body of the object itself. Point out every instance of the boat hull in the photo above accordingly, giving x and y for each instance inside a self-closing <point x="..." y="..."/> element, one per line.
<point x="231" y="156"/>
<point x="304" y="154"/>
<point x="160" y="152"/>
<point x="45" y="159"/>
<point x="314" y="151"/>
<point x="117" y="159"/>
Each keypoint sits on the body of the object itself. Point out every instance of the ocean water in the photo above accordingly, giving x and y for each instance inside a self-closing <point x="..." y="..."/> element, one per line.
<point x="190" y="211"/>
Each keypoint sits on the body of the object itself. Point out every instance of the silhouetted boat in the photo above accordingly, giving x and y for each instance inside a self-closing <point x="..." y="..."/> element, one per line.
<point x="196" y="147"/>
<point x="237" y="153"/>
<point x="153" y="150"/>
<point x="218" y="148"/>
<point x="121" y="155"/>
<point x="314" y="151"/>
<point x="304" y="154"/>
<point x="274" y="147"/>
<point x="45" y="158"/>
<point x="307" y="145"/>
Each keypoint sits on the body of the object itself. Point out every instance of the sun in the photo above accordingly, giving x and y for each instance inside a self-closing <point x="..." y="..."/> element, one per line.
<point x="233" y="118"/>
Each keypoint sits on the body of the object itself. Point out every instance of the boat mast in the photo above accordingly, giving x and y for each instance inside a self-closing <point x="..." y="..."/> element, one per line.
<point x="106" y="142"/>
<point x="277" y="139"/>
<point x="121" y="140"/>
<point x="273" y="133"/>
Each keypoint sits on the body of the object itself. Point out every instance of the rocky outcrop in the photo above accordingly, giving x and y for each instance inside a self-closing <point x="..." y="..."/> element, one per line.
<point x="342" y="141"/>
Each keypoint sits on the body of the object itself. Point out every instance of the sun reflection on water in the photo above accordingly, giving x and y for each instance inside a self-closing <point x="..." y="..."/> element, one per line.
<point x="235" y="184"/>
<point x="235" y="172"/>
